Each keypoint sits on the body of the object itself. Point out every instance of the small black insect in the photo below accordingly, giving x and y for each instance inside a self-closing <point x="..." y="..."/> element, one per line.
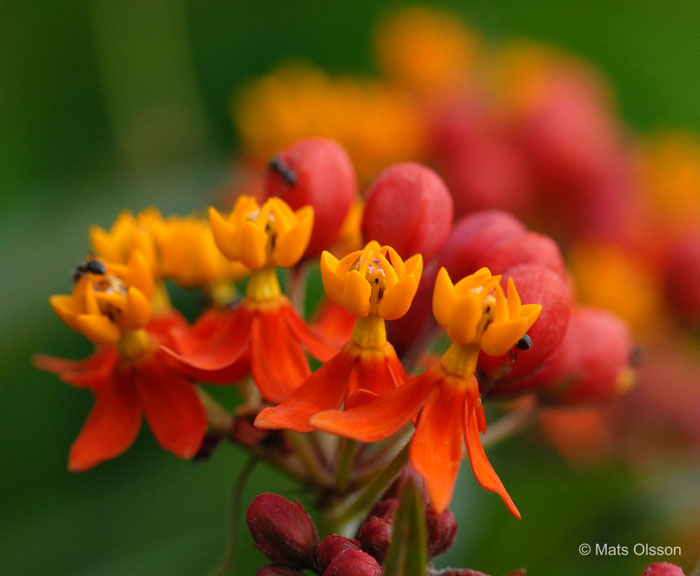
<point x="525" y="343"/>
<point x="91" y="266"/>
<point x="284" y="170"/>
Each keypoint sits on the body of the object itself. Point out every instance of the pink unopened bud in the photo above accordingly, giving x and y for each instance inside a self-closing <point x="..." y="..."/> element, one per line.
<point x="536" y="285"/>
<point x="375" y="536"/>
<point x="282" y="530"/>
<point x="662" y="569"/>
<point x="592" y="364"/>
<point x="442" y="530"/>
<point x="409" y="208"/>
<point x="315" y="172"/>
<point x="473" y="237"/>
<point x="331" y="547"/>
<point x="278" y="571"/>
<point x="354" y="563"/>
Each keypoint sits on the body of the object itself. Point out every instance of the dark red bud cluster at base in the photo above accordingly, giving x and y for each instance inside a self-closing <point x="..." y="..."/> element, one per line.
<point x="409" y="208"/>
<point x="285" y="533"/>
<point x="315" y="172"/>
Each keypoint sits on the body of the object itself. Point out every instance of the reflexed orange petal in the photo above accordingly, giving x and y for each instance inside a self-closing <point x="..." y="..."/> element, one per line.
<point x="172" y="408"/>
<point x="483" y="471"/>
<point x="371" y="374"/>
<point x="277" y="361"/>
<point x="112" y="426"/>
<point x="324" y="390"/>
<point x="382" y="417"/>
<point x="316" y="346"/>
<point x="222" y="359"/>
<point x="436" y="446"/>
<point x="90" y="373"/>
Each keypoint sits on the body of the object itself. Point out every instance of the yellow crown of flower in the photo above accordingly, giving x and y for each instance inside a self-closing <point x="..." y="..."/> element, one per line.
<point x="271" y="235"/>
<point x="475" y="311"/>
<point x="372" y="280"/>
<point x="103" y="307"/>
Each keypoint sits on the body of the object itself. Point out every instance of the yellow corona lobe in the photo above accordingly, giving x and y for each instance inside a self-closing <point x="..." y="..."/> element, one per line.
<point x="262" y="236"/>
<point x="374" y="280"/>
<point x="476" y="312"/>
<point x="106" y="306"/>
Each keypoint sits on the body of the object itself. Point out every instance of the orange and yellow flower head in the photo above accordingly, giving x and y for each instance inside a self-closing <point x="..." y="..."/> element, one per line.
<point x="372" y="284"/>
<point x="477" y="316"/>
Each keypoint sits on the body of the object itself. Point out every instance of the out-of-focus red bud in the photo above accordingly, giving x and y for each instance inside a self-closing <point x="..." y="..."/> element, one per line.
<point x="683" y="277"/>
<point x="404" y="331"/>
<point x="442" y="530"/>
<point x="592" y="364"/>
<point x="282" y="530"/>
<point x="331" y="547"/>
<point x="662" y="569"/>
<point x="481" y="163"/>
<point x="529" y="248"/>
<point x="475" y="236"/>
<point x="409" y="208"/>
<point x="375" y="536"/>
<point x="315" y="172"/>
<point x="278" y="571"/>
<point x="354" y="563"/>
<point x="535" y="285"/>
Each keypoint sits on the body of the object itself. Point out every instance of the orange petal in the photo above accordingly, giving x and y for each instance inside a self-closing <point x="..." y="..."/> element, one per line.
<point x="225" y="235"/>
<point x="137" y="312"/>
<point x="277" y="361"/>
<point x="252" y="246"/>
<point x="356" y="294"/>
<point x="90" y="373"/>
<point x="316" y="346"/>
<point x="397" y="299"/>
<point x="172" y="408"/>
<point x="222" y="359"/>
<point x="436" y="447"/>
<point x="371" y="373"/>
<point x="382" y="417"/>
<point x="112" y="426"/>
<point x="324" y="390"/>
<point x="483" y="471"/>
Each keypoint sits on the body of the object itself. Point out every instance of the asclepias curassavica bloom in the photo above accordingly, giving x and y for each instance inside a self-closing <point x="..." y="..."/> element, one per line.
<point x="340" y="429"/>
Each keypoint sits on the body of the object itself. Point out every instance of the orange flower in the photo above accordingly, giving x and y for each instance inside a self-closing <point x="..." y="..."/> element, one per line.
<point x="478" y="317"/>
<point x="264" y="335"/>
<point x="371" y="284"/>
<point x="127" y="374"/>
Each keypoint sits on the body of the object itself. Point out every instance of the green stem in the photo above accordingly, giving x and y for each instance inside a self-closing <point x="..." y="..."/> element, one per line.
<point x="315" y="468"/>
<point x="346" y="457"/>
<point x="363" y="499"/>
<point x="228" y="560"/>
<point x="514" y="421"/>
<point x="371" y="466"/>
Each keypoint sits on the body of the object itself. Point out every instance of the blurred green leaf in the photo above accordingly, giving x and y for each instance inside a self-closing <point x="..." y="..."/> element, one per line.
<point x="408" y="551"/>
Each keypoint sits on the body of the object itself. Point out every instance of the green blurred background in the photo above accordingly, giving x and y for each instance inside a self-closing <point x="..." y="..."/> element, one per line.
<point x="108" y="104"/>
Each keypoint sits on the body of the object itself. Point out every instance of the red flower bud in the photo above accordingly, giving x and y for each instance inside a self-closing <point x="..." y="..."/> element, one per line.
<point x="354" y="563"/>
<point x="282" y="530"/>
<point x="536" y="285"/>
<point x="279" y="571"/>
<point x="331" y="547"/>
<point x="315" y="172"/>
<point x="442" y="530"/>
<point x="409" y="208"/>
<point x="528" y="248"/>
<point x="662" y="569"/>
<point x="592" y="362"/>
<point x="385" y="509"/>
<point x="683" y="277"/>
<point x="475" y="236"/>
<point x="375" y="536"/>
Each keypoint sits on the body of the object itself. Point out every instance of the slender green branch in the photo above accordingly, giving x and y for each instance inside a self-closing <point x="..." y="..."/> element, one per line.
<point x="228" y="560"/>
<point x="364" y="498"/>
<point x="318" y="474"/>
<point x="514" y="421"/>
<point x="220" y="419"/>
<point x="346" y="457"/>
<point x="372" y="465"/>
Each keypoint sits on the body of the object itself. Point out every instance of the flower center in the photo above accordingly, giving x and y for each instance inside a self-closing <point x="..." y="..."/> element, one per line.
<point x="135" y="345"/>
<point x="263" y="286"/>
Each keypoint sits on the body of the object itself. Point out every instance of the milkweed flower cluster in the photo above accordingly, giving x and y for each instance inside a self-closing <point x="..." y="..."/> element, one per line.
<point x="497" y="294"/>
